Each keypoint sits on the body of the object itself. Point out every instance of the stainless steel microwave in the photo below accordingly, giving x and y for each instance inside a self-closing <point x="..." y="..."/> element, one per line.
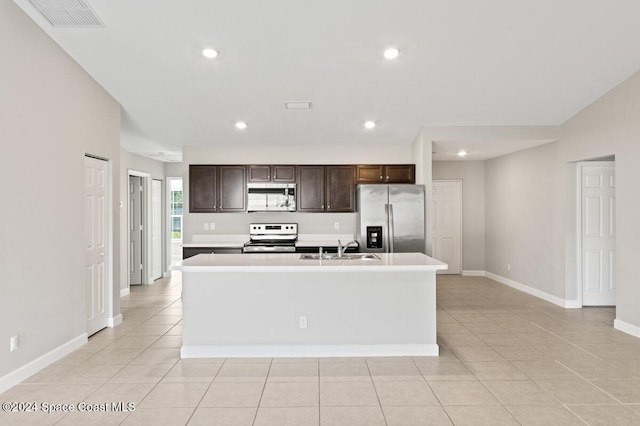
<point x="268" y="197"/>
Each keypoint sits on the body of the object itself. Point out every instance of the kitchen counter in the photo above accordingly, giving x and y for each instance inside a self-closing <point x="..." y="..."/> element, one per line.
<point x="262" y="262"/>
<point x="218" y="240"/>
<point x="238" y="240"/>
<point x="277" y="305"/>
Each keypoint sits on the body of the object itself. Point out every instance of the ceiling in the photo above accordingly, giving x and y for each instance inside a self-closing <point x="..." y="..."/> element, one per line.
<point x="461" y="63"/>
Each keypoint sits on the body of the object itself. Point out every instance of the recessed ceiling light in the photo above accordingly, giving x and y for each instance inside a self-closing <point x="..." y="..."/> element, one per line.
<point x="369" y="124"/>
<point x="241" y="125"/>
<point x="462" y="153"/>
<point x="391" y="53"/>
<point x="210" y="53"/>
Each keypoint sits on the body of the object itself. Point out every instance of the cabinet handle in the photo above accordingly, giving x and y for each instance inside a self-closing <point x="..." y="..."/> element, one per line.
<point x="387" y="177"/>
<point x="380" y="177"/>
<point x="328" y="207"/>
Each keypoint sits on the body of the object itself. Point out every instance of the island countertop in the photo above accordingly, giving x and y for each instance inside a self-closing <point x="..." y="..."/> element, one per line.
<point x="260" y="262"/>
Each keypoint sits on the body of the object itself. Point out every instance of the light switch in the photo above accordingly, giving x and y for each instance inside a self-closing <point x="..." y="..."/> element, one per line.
<point x="206" y="226"/>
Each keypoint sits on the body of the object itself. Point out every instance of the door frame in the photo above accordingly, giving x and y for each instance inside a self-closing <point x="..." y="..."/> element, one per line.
<point x="112" y="319"/>
<point x="579" y="166"/>
<point x="167" y="223"/>
<point x="433" y="182"/>
<point x="161" y="226"/>
<point x="147" y="260"/>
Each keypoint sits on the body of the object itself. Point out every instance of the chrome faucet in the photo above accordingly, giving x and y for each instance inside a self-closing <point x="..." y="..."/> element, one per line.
<point x="343" y="248"/>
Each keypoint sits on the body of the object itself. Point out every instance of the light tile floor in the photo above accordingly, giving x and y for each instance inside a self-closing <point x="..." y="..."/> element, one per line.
<point x="506" y="358"/>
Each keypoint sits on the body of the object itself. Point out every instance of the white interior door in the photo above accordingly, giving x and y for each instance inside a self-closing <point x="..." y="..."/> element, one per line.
<point x="156" y="228"/>
<point x="598" y="236"/>
<point x="135" y="230"/>
<point x="446" y="219"/>
<point x="96" y="228"/>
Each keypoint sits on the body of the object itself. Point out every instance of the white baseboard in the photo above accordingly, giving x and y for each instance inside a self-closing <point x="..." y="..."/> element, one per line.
<point x="124" y="292"/>
<point x="569" y="304"/>
<point x="296" y="351"/>
<point x="625" y="327"/>
<point x="9" y="380"/>
<point x="166" y="274"/>
<point x="114" y="321"/>
<point x="472" y="273"/>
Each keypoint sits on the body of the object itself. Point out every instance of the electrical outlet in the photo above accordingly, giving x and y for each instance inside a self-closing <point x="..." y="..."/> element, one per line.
<point x="212" y="226"/>
<point x="206" y="226"/>
<point x="508" y="266"/>
<point x="303" y="322"/>
<point x="13" y="343"/>
<point x="336" y="225"/>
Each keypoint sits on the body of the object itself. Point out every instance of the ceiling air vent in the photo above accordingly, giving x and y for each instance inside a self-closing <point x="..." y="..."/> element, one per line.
<point x="68" y="13"/>
<point x="297" y="105"/>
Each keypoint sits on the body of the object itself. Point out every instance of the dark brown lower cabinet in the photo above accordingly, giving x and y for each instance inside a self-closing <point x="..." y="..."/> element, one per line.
<point x="192" y="251"/>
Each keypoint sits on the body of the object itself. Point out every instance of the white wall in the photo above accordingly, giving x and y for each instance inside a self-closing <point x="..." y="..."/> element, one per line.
<point x="611" y="126"/>
<point x="520" y="218"/>
<point x="473" y="207"/>
<point x="51" y="113"/>
<point x="232" y="223"/>
<point x="531" y="203"/>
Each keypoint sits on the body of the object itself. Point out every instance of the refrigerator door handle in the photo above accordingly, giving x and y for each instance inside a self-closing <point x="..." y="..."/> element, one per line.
<point x="386" y="245"/>
<point x="391" y="230"/>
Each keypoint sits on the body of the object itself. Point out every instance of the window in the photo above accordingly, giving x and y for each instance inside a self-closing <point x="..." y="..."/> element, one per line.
<point x="176" y="209"/>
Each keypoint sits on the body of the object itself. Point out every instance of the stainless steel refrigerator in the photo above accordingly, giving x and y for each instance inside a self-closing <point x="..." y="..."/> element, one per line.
<point x="390" y="218"/>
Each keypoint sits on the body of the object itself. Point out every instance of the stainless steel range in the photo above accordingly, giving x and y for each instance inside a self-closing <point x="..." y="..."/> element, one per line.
<point x="272" y="238"/>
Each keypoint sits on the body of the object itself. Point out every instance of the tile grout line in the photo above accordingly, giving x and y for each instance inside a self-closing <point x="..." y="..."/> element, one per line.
<point x="446" y="413"/>
<point x="384" y="418"/>
<point x="591" y="383"/>
<point x="567" y="341"/>
<point x="206" y="390"/>
<point x="255" y="416"/>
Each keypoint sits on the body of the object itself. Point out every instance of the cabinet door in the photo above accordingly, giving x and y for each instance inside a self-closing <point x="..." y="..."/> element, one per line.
<point x="339" y="189"/>
<point x="261" y="173"/>
<point x="311" y="188"/>
<point x="400" y="173"/>
<point x="232" y="188"/>
<point x="283" y="174"/>
<point x="370" y="173"/>
<point x="202" y="189"/>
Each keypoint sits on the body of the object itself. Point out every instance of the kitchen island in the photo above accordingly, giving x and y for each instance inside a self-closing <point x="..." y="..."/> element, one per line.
<point x="278" y="305"/>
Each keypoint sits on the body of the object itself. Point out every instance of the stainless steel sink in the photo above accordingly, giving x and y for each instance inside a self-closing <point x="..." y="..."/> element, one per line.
<point x="350" y="256"/>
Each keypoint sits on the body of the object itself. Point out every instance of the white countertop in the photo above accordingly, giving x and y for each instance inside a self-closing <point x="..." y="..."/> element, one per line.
<point x="218" y="240"/>
<point x="238" y="240"/>
<point x="261" y="262"/>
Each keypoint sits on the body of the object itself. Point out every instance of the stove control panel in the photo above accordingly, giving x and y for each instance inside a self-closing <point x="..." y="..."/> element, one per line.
<point x="273" y="228"/>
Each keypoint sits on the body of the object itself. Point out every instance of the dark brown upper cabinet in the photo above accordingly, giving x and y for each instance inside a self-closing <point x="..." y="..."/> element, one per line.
<point x="325" y="189"/>
<point x="283" y="173"/>
<point x="214" y="189"/>
<point x="232" y="189"/>
<point x="203" y="195"/>
<point x="394" y="173"/>
<point x="275" y="173"/>
<point x="311" y="189"/>
<point x="339" y="189"/>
